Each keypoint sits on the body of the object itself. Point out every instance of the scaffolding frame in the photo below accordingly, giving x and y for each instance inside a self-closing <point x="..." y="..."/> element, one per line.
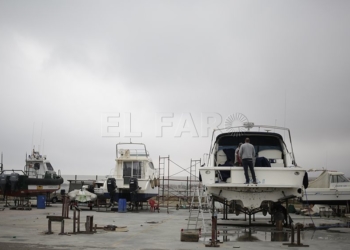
<point x="165" y="189"/>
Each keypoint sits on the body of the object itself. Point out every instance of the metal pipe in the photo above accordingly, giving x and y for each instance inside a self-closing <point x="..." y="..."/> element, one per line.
<point x="298" y="234"/>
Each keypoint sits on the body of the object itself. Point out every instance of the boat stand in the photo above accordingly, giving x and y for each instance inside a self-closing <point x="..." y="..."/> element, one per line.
<point x="58" y="219"/>
<point x="88" y="224"/>
<point x="103" y="204"/>
<point x="21" y="203"/>
<point x="214" y="230"/>
<point x="65" y="206"/>
<point x="7" y="204"/>
<point x="292" y="243"/>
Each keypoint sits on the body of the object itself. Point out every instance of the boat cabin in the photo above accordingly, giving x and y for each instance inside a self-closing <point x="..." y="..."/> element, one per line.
<point x="37" y="166"/>
<point x="330" y="179"/>
<point x="270" y="149"/>
<point x="133" y="162"/>
<point x="134" y="175"/>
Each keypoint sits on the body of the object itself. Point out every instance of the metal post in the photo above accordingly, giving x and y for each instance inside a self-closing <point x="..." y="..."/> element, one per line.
<point x="78" y="221"/>
<point x="163" y="191"/>
<point x="292" y="235"/>
<point x="167" y="205"/>
<point x="63" y="202"/>
<point x="298" y="244"/>
<point x="191" y="177"/>
<point x="287" y="213"/>
<point x="187" y="189"/>
<point x="62" y="227"/>
<point x="74" y="220"/>
<point x="1" y="165"/>
<point x="213" y="242"/>
<point x="159" y="175"/>
<point x="49" y="227"/>
<point x="298" y="234"/>
<point x="91" y="223"/>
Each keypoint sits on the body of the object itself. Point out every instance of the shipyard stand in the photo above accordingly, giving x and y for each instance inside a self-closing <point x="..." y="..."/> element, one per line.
<point x="213" y="242"/>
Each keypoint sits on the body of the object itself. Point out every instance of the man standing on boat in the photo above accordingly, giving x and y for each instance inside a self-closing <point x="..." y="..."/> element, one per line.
<point x="247" y="154"/>
<point x="238" y="161"/>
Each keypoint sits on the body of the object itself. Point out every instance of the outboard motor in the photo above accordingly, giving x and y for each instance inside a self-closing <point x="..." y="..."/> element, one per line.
<point x="3" y="182"/>
<point x="14" y="178"/>
<point x="133" y="185"/>
<point x="111" y="185"/>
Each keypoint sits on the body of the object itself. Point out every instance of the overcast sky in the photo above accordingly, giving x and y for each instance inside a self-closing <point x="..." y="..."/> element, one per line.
<point x="68" y="69"/>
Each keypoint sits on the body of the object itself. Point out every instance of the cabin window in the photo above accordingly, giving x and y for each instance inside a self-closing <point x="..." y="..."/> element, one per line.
<point x="342" y="178"/>
<point x="49" y="166"/>
<point x="338" y="178"/>
<point x="37" y="166"/>
<point x="132" y="169"/>
<point x="151" y="165"/>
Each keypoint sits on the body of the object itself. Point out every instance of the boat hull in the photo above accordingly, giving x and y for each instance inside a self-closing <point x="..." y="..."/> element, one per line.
<point x="274" y="185"/>
<point x="122" y="191"/>
<point x="326" y="196"/>
<point x="31" y="186"/>
<point x="137" y="197"/>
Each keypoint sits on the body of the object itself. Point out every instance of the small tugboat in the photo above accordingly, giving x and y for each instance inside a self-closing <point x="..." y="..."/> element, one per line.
<point x="37" y="178"/>
<point x="135" y="179"/>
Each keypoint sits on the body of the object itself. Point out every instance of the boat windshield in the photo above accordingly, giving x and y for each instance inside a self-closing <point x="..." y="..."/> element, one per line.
<point x="49" y="166"/>
<point x="261" y="142"/>
<point x="338" y="178"/>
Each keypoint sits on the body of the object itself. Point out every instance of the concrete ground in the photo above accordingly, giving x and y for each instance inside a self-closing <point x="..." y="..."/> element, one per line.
<point x="146" y="230"/>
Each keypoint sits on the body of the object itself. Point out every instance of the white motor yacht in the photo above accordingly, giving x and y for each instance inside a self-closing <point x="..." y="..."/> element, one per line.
<point x="278" y="176"/>
<point x="330" y="187"/>
<point x="135" y="178"/>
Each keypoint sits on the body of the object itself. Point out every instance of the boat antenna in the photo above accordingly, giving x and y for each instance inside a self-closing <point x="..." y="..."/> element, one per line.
<point x="285" y="113"/>
<point x="41" y="134"/>
<point x="1" y="165"/>
<point x="33" y="135"/>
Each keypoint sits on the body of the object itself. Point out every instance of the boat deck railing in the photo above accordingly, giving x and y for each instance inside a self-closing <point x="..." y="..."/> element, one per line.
<point x="132" y="153"/>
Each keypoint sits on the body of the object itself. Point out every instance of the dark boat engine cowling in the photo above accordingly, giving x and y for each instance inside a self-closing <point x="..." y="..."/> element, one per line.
<point x="133" y="185"/>
<point x="3" y="182"/>
<point x="14" y="178"/>
<point x="111" y="185"/>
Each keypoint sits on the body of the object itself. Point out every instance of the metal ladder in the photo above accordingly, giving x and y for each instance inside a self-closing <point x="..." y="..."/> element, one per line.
<point x="197" y="209"/>
<point x="194" y="165"/>
<point x="163" y="188"/>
